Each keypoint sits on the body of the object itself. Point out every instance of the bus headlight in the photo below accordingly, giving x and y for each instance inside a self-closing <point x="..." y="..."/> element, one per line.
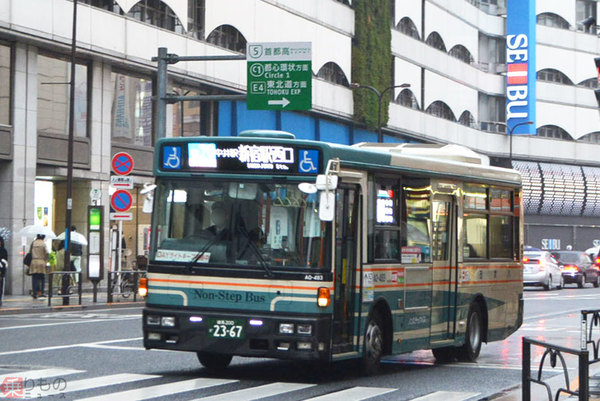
<point x="286" y="328"/>
<point x="153" y="320"/>
<point x="304" y="329"/>
<point x="167" y="321"/>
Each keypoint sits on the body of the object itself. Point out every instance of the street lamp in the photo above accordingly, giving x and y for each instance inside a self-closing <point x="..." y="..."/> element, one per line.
<point x="510" y="134"/>
<point x="355" y="85"/>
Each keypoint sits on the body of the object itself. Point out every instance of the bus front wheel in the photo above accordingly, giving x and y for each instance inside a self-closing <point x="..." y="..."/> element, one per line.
<point x="373" y="345"/>
<point x="214" y="362"/>
<point x="474" y="335"/>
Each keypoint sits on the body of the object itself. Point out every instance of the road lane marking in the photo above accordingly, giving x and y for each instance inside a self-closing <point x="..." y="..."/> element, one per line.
<point x="37" y="314"/>
<point x="89" y="384"/>
<point x="354" y="394"/>
<point x="41" y="373"/>
<point x="122" y="348"/>
<point x="256" y="393"/>
<point x="55" y="347"/>
<point x="160" y="390"/>
<point x="446" y="396"/>
<point x="64" y="323"/>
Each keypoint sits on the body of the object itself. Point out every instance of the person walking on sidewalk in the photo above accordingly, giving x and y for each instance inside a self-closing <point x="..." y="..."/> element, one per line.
<point x="3" y="266"/>
<point x="39" y="258"/>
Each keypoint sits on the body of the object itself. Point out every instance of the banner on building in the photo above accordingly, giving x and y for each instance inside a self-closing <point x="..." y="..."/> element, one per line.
<point x="520" y="66"/>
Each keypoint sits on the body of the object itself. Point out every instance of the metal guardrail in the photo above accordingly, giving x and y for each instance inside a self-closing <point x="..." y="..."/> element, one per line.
<point x="123" y="283"/>
<point x="590" y="319"/>
<point x="554" y="353"/>
<point x="66" y="287"/>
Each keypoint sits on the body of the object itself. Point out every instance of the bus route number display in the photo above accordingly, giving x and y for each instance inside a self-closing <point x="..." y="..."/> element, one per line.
<point x="234" y="157"/>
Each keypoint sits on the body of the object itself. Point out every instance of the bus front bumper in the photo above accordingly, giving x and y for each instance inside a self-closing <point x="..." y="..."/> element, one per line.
<point x="269" y="336"/>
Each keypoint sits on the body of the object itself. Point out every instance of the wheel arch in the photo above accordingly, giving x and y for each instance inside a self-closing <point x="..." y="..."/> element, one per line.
<point x="381" y="307"/>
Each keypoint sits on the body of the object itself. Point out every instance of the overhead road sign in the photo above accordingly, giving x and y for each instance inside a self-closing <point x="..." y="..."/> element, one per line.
<point x="122" y="163"/>
<point x="279" y="76"/>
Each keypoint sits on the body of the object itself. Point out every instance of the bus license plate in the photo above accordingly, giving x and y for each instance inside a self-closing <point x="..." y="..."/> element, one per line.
<point x="226" y="328"/>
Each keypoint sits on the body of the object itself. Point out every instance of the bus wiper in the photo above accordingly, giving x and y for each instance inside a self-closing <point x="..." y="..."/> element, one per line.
<point x="263" y="263"/>
<point x="202" y="251"/>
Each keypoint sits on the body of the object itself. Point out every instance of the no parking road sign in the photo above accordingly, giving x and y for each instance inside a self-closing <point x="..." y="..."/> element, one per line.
<point x="122" y="163"/>
<point x="121" y="201"/>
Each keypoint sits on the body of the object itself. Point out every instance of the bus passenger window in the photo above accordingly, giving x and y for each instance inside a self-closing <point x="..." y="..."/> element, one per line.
<point x="475" y="236"/>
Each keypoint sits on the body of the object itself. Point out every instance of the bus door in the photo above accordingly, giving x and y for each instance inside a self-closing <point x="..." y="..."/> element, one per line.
<point x="443" y="311"/>
<point x="347" y="224"/>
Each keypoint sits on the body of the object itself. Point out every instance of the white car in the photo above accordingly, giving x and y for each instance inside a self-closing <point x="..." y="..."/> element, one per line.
<point x="541" y="269"/>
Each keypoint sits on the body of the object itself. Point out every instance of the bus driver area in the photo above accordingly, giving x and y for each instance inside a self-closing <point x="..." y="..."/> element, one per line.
<point x="348" y="252"/>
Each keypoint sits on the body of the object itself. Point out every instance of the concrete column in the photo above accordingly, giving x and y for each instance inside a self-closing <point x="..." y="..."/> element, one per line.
<point x="17" y="178"/>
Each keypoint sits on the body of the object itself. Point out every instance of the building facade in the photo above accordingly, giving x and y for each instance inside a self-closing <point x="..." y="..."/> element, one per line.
<point x="452" y="53"/>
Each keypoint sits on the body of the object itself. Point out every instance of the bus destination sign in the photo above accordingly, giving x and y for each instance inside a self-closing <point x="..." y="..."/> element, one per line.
<point x="234" y="157"/>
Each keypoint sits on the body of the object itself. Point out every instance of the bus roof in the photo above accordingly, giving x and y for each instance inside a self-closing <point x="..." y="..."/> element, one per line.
<point x="449" y="161"/>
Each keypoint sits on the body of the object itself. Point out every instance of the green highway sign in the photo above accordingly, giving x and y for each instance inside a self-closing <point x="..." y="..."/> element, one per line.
<point x="279" y="76"/>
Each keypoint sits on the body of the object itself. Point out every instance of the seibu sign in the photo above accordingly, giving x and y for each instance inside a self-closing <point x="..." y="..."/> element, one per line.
<point x="520" y="65"/>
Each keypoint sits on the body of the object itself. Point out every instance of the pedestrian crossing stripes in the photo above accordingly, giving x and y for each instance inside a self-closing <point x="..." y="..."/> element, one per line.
<point x="146" y="388"/>
<point x="446" y="396"/>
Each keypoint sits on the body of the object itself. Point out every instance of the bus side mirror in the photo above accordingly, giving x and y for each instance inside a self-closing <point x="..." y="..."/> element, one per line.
<point x="326" y="206"/>
<point x="326" y="182"/>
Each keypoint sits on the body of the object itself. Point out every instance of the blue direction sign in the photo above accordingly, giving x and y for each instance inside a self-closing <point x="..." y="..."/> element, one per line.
<point x="121" y="201"/>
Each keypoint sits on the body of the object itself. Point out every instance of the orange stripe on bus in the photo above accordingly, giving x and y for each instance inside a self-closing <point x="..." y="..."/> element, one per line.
<point x="162" y="280"/>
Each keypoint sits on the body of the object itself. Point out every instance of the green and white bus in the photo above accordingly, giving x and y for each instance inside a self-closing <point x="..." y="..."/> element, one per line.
<point x="267" y="246"/>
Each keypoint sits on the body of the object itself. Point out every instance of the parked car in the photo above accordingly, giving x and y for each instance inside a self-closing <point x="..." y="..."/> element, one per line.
<point x="541" y="269"/>
<point x="578" y="268"/>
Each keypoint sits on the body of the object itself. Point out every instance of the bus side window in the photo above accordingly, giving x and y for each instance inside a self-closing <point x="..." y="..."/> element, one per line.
<point x="417" y="235"/>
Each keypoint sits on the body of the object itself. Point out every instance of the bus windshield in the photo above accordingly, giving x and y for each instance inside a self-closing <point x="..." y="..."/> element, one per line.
<point x="239" y="223"/>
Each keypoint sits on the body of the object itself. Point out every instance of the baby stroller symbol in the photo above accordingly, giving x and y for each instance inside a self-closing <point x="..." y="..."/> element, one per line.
<point x="309" y="162"/>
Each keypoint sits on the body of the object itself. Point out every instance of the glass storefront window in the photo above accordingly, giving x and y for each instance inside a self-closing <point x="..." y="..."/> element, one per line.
<point x="131" y="115"/>
<point x="4" y="84"/>
<point x="53" y="96"/>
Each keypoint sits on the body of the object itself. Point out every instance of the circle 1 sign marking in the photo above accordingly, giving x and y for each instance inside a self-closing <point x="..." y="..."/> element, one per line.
<point x="121" y="201"/>
<point x="122" y="163"/>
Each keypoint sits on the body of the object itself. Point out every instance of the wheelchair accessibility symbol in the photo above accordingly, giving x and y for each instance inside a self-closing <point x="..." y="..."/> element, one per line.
<point x="172" y="157"/>
<point x="309" y="161"/>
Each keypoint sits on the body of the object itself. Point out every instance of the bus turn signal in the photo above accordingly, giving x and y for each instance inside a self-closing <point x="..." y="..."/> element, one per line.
<point x="323" y="297"/>
<point x="143" y="287"/>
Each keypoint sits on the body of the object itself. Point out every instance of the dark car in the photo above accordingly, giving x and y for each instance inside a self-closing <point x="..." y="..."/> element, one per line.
<point x="577" y="268"/>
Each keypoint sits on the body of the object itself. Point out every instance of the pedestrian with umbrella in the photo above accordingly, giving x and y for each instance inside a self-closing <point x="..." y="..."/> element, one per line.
<point x="3" y="266"/>
<point x="37" y="268"/>
<point x="77" y="242"/>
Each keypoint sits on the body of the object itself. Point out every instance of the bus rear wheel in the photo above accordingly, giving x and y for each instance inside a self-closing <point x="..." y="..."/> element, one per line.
<point x="214" y="362"/>
<point x="473" y="337"/>
<point x="373" y="345"/>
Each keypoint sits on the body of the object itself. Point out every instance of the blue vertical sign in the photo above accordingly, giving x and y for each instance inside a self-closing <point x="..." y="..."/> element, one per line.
<point x="520" y="64"/>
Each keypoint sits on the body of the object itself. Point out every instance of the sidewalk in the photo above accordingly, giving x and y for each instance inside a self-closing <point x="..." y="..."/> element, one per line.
<point x="539" y="393"/>
<point x="12" y="304"/>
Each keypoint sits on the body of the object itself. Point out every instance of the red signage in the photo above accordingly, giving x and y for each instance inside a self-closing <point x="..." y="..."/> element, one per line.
<point x="121" y="201"/>
<point x="122" y="163"/>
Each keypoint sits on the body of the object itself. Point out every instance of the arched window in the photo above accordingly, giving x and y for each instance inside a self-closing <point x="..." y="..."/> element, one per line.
<point x="466" y="119"/>
<point x="156" y="13"/>
<point x="461" y="53"/>
<point x="407" y="27"/>
<point x="331" y="72"/>
<point x="440" y="109"/>
<point x="228" y="37"/>
<point x="591" y="83"/>
<point x="553" y="131"/>
<point x="592" y="137"/>
<point x="109" y="5"/>
<point x="553" y="20"/>
<point x="435" y="40"/>
<point x="555" y="76"/>
<point x="407" y="98"/>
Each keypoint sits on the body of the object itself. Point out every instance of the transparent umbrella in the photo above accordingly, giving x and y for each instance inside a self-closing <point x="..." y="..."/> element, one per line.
<point x="75" y="237"/>
<point x="33" y="230"/>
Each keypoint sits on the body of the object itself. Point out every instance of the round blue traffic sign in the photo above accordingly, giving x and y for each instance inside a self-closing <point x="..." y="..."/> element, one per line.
<point x="122" y="163"/>
<point x="121" y="201"/>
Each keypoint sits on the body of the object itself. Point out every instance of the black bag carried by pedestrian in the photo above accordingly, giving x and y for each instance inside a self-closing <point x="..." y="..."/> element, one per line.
<point x="27" y="260"/>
